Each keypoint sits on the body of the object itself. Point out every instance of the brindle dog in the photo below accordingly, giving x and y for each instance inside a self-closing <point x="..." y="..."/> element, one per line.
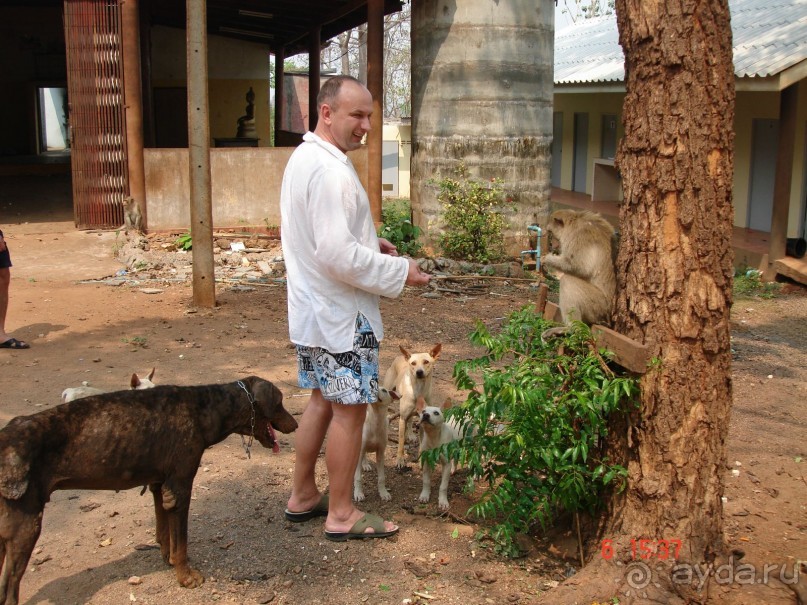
<point x="121" y="440"/>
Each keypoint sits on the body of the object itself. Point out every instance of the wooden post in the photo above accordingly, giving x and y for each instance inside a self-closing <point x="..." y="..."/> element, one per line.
<point x="280" y="106"/>
<point x="375" y="84"/>
<point x="314" y="43"/>
<point x="788" y="109"/>
<point x="133" y="108"/>
<point x="204" y="285"/>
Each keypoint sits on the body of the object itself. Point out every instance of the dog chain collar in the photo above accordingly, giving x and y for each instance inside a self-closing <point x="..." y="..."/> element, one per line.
<point x="251" y="420"/>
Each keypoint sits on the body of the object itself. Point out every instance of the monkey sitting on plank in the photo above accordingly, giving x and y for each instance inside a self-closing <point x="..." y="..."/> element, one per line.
<point x="588" y="282"/>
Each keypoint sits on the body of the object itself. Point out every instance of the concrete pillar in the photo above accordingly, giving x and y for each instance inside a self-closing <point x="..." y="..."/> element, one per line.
<point x="482" y="84"/>
<point x="204" y="285"/>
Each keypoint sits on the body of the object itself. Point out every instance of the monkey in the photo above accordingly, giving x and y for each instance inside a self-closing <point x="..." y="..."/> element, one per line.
<point x="588" y="282"/>
<point x="132" y="216"/>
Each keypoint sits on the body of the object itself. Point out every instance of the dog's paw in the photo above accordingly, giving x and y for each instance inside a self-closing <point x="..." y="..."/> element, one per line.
<point x="366" y="465"/>
<point x="400" y="463"/>
<point x="358" y="495"/>
<point x="443" y="503"/>
<point x="384" y="494"/>
<point x="424" y="496"/>
<point x="189" y="577"/>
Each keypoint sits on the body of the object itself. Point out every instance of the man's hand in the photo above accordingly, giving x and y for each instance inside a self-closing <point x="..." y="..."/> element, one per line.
<point x="387" y="247"/>
<point x="416" y="277"/>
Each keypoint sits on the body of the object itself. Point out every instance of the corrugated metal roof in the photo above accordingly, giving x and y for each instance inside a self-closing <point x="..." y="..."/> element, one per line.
<point x="769" y="36"/>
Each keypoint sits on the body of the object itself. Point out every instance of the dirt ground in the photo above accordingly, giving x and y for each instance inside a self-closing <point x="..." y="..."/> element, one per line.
<point x="98" y="547"/>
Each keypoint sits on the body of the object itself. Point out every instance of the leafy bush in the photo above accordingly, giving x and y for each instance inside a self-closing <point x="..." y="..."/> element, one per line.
<point x="473" y="223"/>
<point x="540" y="414"/>
<point x="748" y="283"/>
<point x="396" y="226"/>
<point x="184" y="241"/>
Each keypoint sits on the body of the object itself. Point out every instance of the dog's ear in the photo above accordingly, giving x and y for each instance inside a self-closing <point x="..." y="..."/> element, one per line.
<point x="420" y="404"/>
<point x="446" y="404"/>
<point x="151" y="374"/>
<point x="435" y="352"/>
<point x="269" y="400"/>
<point x="14" y="473"/>
<point x="404" y="352"/>
<point x="266" y="392"/>
<point x="394" y="394"/>
<point x="135" y="382"/>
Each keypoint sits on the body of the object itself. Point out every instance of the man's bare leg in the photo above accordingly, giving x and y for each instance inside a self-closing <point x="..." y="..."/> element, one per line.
<point x="5" y="279"/>
<point x="308" y="440"/>
<point x="341" y="458"/>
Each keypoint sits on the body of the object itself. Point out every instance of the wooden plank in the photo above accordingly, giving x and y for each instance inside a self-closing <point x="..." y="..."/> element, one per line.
<point x="628" y="353"/>
<point x="543" y="292"/>
<point x="793" y="268"/>
<point x="552" y="312"/>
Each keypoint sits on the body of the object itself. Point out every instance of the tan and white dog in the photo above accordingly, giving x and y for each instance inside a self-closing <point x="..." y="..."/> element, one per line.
<point x="411" y="376"/>
<point x="136" y="383"/>
<point x="374" y="439"/>
<point x="435" y="431"/>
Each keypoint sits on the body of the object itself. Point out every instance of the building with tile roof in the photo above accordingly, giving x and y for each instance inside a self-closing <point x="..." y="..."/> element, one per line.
<point x="770" y="60"/>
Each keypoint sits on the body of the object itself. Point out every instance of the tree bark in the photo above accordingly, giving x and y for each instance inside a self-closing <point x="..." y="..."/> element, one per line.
<point x="674" y="276"/>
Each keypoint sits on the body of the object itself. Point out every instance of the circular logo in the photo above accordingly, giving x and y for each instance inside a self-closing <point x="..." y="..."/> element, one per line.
<point x="638" y="575"/>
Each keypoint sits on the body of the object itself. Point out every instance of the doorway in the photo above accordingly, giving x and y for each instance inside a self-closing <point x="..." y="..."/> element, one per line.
<point x="54" y="130"/>
<point x="579" y="174"/>
<point x="764" y="149"/>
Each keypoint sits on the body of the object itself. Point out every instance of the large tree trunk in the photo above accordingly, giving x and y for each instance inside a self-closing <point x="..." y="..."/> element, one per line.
<point x="674" y="294"/>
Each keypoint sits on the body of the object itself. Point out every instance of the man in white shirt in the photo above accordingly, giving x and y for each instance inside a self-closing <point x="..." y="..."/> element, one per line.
<point x="336" y="269"/>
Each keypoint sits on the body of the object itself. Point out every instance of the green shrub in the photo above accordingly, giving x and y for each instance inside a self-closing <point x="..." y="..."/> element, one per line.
<point x="472" y="219"/>
<point x="396" y="226"/>
<point x="748" y="283"/>
<point x="184" y="241"/>
<point x="540" y="417"/>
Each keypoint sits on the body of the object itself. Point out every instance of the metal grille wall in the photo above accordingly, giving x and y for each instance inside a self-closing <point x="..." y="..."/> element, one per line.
<point x="97" y="121"/>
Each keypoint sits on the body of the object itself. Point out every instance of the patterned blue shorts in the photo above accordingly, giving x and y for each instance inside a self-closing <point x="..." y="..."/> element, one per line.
<point x="346" y="378"/>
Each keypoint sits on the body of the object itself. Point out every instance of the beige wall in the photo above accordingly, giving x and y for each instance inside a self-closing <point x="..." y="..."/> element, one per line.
<point x="749" y="106"/>
<point x="765" y="105"/>
<point x="596" y="106"/>
<point x="403" y="134"/>
<point x="233" y="66"/>
<point x="245" y="186"/>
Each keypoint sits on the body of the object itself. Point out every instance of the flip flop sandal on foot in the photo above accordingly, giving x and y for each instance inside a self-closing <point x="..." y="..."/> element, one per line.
<point x="357" y="532"/>
<point x="13" y="343"/>
<point x="320" y="510"/>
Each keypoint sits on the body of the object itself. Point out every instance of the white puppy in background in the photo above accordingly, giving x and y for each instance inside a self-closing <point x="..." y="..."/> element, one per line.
<point x="374" y="439"/>
<point x="434" y="432"/>
<point x="73" y="393"/>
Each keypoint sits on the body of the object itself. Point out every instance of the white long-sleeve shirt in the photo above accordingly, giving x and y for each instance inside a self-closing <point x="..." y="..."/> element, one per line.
<point x="334" y="269"/>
